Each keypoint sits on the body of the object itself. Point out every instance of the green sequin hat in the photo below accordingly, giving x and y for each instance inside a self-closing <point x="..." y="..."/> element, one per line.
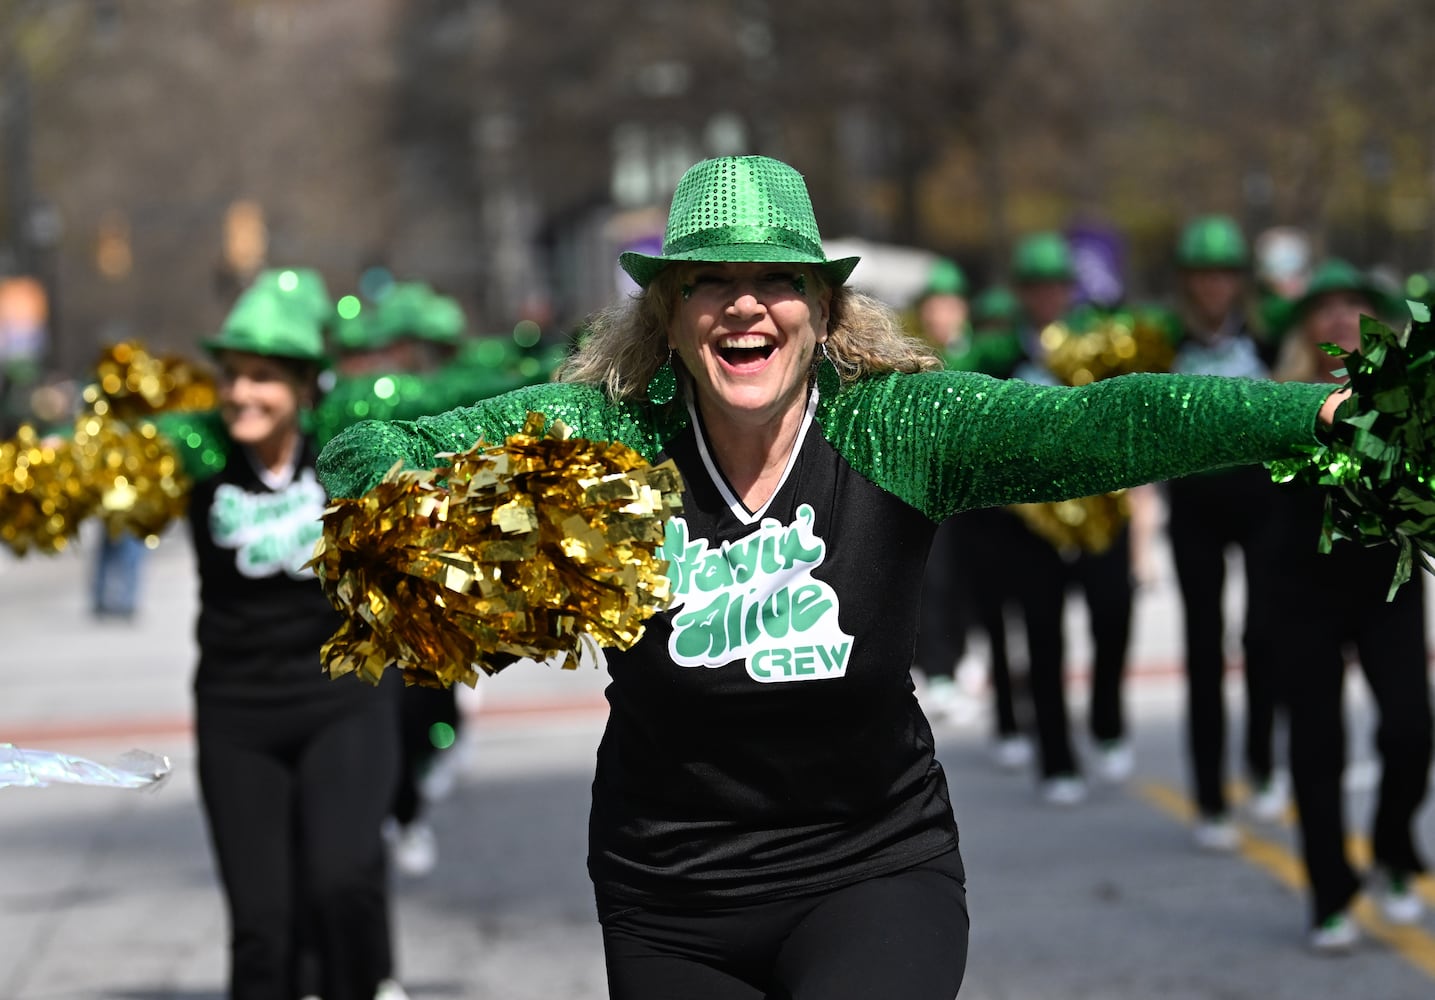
<point x="740" y="208"/>
<point x="1336" y="275"/>
<point x="944" y="277"/>
<point x="1212" y="242"/>
<point x="264" y="322"/>
<point x="995" y="305"/>
<point x="1043" y="257"/>
<point x="414" y="309"/>
<point x="303" y="286"/>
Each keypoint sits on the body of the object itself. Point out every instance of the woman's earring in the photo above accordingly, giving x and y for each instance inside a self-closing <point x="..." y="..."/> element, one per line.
<point x="829" y="382"/>
<point x="663" y="386"/>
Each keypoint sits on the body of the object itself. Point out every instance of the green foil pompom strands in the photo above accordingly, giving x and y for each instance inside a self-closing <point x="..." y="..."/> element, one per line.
<point x="1379" y="467"/>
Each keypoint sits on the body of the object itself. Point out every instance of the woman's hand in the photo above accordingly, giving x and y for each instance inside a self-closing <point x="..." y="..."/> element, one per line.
<point x="1327" y="409"/>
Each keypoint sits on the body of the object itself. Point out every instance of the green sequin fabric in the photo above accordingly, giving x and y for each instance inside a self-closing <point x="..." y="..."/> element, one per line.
<point x="200" y="438"/>
<point x="942" y="441"/>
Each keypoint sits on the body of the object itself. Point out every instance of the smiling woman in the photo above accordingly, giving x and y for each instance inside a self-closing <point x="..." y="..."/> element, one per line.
<point x="768" y="816"/>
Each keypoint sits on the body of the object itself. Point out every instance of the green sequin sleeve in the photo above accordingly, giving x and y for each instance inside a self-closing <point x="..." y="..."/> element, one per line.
<point x="950" y="441"/>
<point x="199" y="436"/>
<point x="352" y="463"/>
<point x="407" y="396"/>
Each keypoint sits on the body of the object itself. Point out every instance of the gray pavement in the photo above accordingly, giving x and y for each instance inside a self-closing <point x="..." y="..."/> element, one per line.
<point x="108" y="895"/>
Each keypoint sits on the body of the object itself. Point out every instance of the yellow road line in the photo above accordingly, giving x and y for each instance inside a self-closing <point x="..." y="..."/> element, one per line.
<point x="1414" y="944"/>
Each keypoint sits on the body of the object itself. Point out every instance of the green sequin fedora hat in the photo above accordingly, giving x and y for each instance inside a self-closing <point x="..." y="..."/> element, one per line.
<point x="263" y="322"/>
<point x="737" y="209"/>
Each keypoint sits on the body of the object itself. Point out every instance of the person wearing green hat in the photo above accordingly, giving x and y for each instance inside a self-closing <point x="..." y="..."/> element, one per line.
<point x="295" y="771"/>
<point x="1043" y="275"/>
<point x="1039" y="575"/>
<point x="1208" y="516"/>
<point x="940" y="311"/>
<point x="1324" y="608"/>
<point x="768" y="815"/>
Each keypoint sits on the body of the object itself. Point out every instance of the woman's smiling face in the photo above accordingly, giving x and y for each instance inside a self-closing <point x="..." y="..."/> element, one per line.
<point x="747" y="333"/>
<point x="259" y="397"/>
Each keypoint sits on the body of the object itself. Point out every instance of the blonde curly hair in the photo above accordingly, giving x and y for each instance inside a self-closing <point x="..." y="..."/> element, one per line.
<point x="625" y="344"/>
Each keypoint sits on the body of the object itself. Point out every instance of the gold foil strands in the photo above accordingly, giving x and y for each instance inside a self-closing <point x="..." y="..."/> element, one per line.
<point x="43" y="494"/>
<point x="1114" y="345"/>
<point x="525" y="550"/>
<point x="1085" y="524"/>
<point x="136" y="473"/>
<point x="131" y="383"/>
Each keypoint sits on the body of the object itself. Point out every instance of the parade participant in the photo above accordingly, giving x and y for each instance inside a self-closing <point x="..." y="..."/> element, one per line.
<point x="1044" y="275"/>
<point x="295" y="772"/>
<point x="1323" y="606"/>
<point x="768" y="816"/>
<point x="993" y="534"/>
<point x="941" y="313"/>
<point x="1209" y="514"/>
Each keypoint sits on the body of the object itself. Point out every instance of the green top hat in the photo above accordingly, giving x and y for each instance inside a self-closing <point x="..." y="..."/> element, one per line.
<point x="1043" y="257"/>
<point x="1213" y="241"/>
<point x="740" y="208"/>
<point x="944" y="278"/>
<point x="1336" y="275"/>
<point x="263" y="322"/>
<point x="301" y="285"/>
<point x="995" y="305"/>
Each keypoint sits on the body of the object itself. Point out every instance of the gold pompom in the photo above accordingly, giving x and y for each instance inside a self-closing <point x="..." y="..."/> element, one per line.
<point x="1085" y="524"/>
<point x="1118" y="344"/>
<point x="525" y="550"/>
<point x="44" y="494"/>
<point x="136" y="473"/>
<point x="131" y="383"/>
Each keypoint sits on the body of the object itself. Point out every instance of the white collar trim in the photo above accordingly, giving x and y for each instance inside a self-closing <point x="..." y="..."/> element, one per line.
<point x="739" y="510"/>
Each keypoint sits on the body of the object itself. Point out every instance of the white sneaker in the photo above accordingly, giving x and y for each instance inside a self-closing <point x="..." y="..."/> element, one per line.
<point x="1012" y="753"/>
<point x="415" y="849"/>
<point x="1269" y="801"/>
<point x="1398" y="902"/>
<point x="390" y="989"/>
<point x="944" y="701"/>
<point x="1336" y="936"/>
<point x="1216" y="834"/>
<point x="439" y="779"/>
<point x="1063" y="790"/>
<point x="1115" y="761"/>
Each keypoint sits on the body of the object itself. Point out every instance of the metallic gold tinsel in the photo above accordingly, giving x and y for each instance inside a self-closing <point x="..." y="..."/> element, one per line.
<point x="1114" y="344"/>
<point x="131" y="383"/>
<point x="136" y="473"/>
<point x="1086" y="524"/>
<point x="43" y="495"/>
<point x="520" y="550"/>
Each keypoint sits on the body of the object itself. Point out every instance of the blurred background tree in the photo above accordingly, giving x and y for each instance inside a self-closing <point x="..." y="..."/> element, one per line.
<point x="155" y="152"/>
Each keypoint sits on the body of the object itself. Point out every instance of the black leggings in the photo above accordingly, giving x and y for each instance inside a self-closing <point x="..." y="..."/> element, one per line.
<point x="1207" y="515"/>
<point x="1105" y="582"/>
<point x="899" y="935"/>
<point x="294" y="795"/>
<point x="420" y="709"/>
<point x="1324" y="607"/>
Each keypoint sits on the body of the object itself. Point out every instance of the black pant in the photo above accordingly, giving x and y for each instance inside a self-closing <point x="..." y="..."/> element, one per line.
<point x="988" y="543"/>
<point x="1207" y="516"/>
<point x="420" y="710"/>
<point x="1105" y="582"/>
<point x="900" y="935"/>
<point x="942" y="630"/>
<point x="294" y="794"/>
<point x="1324" y="606"/>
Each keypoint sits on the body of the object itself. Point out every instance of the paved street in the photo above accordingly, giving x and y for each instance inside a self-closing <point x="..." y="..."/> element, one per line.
<point x="109" y="895"/>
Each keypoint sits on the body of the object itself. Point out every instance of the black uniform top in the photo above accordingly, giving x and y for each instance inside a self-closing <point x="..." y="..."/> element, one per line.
<point x="262" y="616"/>
<point x="764" y="738"/>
